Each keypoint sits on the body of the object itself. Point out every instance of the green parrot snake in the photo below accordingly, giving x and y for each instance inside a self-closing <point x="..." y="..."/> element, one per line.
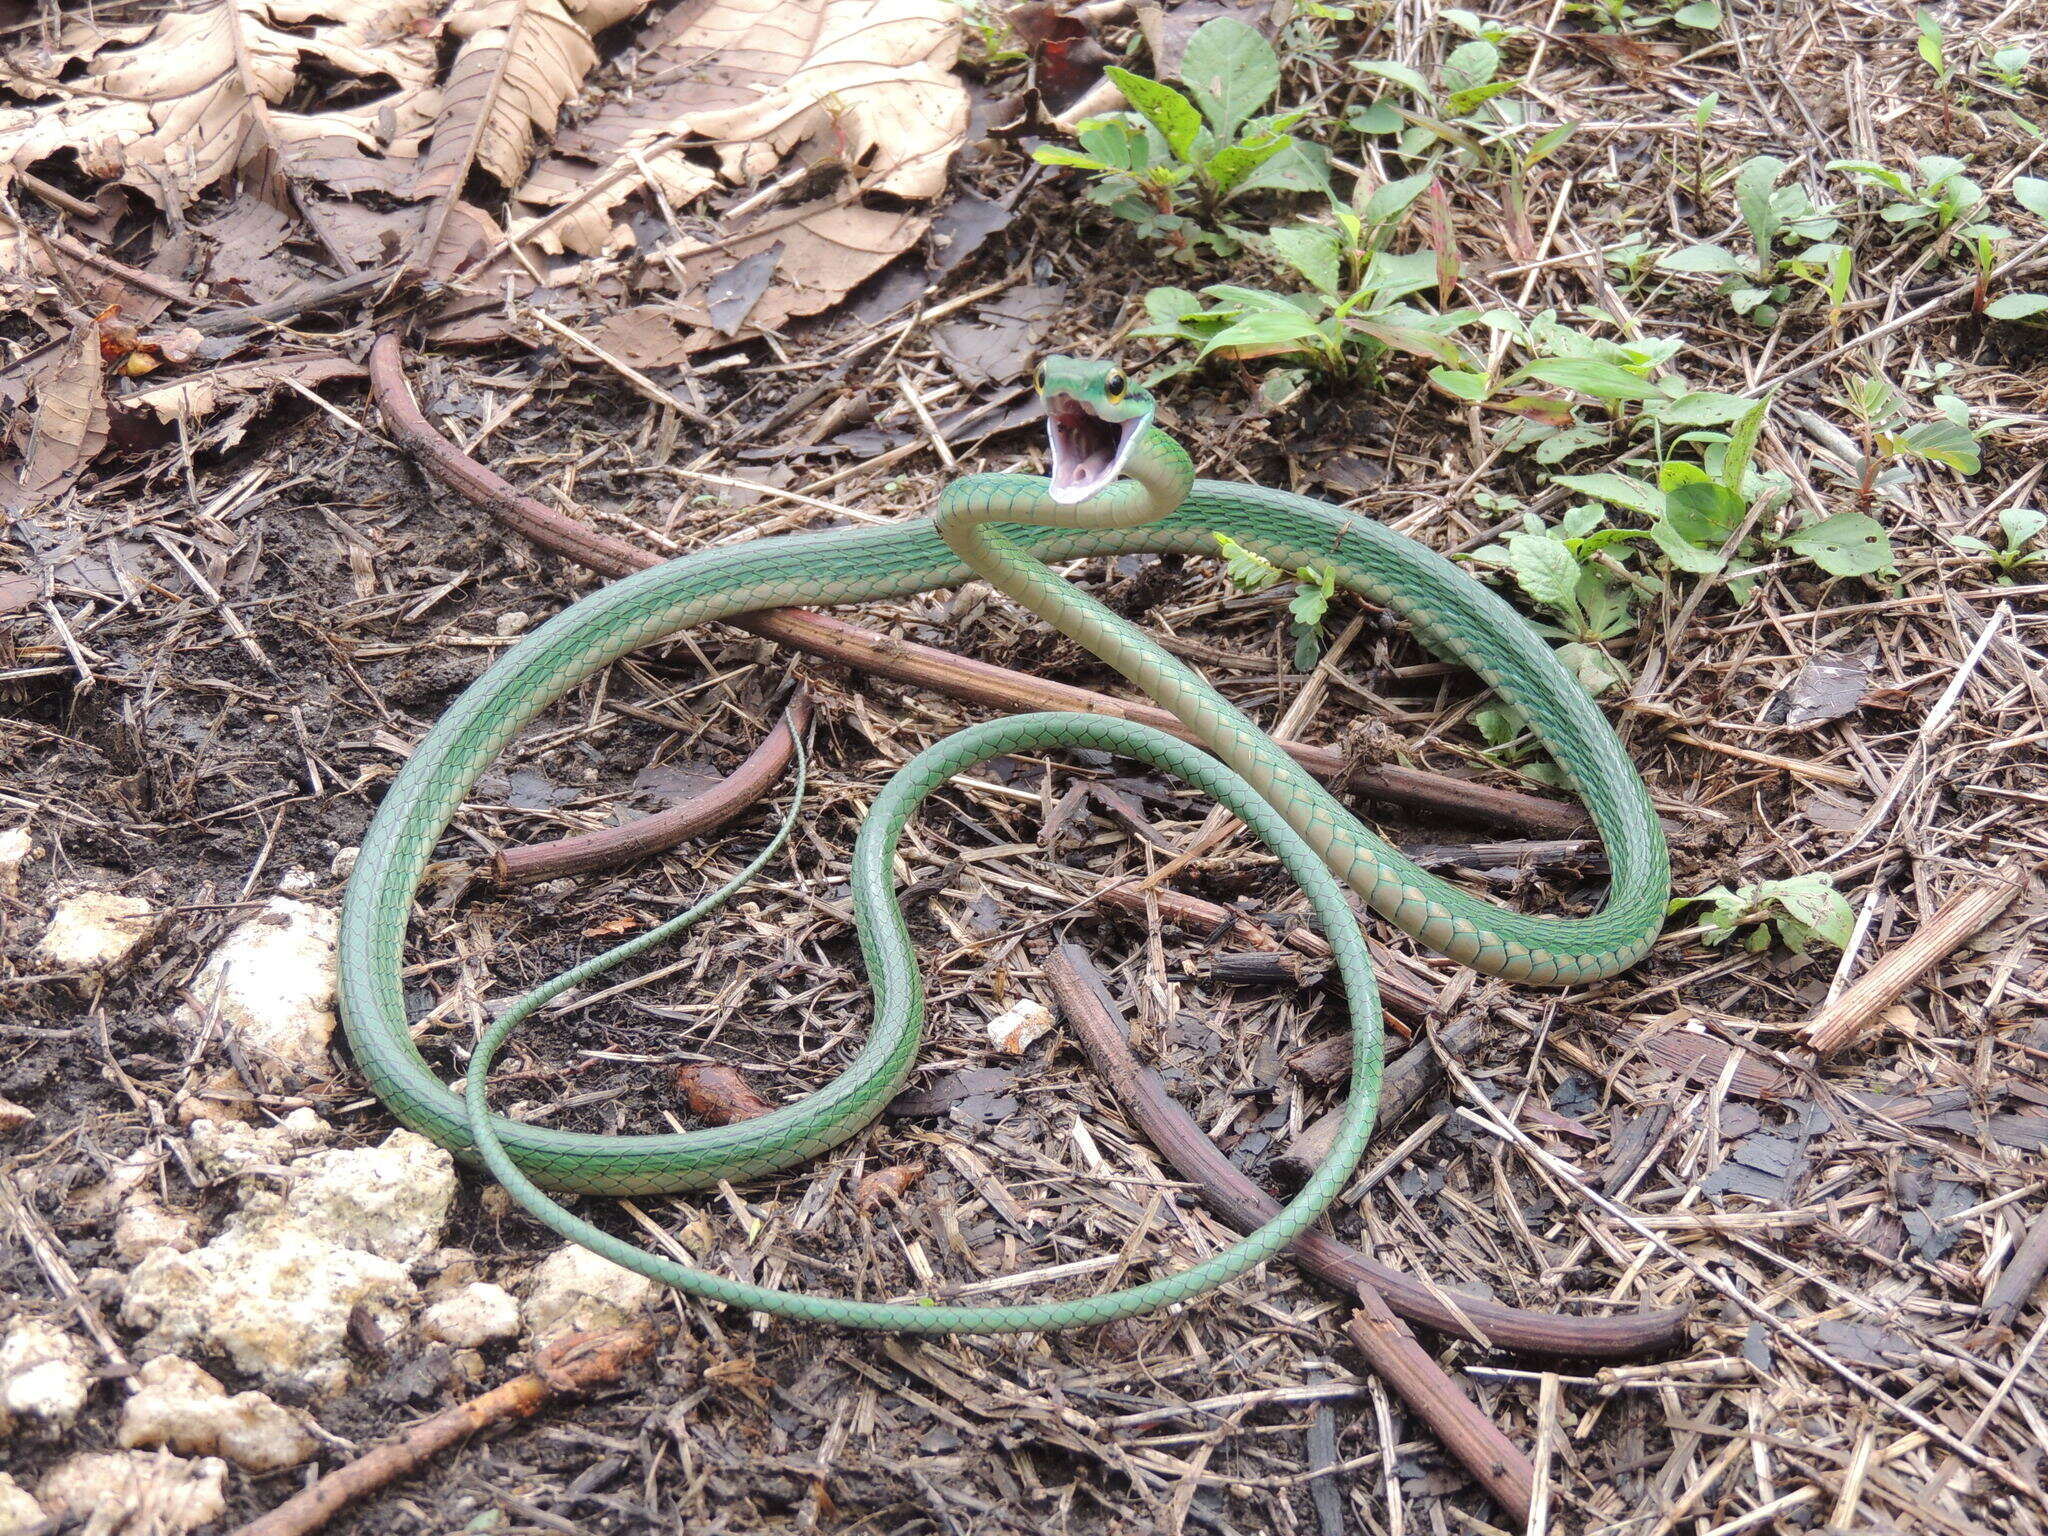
<point x="1118" y="485"/>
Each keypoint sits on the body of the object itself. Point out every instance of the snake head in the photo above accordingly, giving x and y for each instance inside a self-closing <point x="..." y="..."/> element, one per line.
<point x="1094" y="416"/>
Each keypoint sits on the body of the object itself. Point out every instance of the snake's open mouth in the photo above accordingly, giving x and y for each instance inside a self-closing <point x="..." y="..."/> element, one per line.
<point x="1087" y="452"/>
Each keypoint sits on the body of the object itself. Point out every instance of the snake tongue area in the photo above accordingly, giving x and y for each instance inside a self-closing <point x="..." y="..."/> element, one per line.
<point x="1087" y="452"/>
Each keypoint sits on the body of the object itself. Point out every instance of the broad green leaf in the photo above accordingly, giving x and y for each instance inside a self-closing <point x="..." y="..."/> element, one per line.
<point x="1400" y="74"/>
<point x="1882" y="174"/>
<point x="2021" y="526"/>
<point x="1464" y="103"/>
<point x="1544" y="569"/>
<point x="1469" y="65"/>
<point x="1704" y="258"/>
<point x="1813" y="902"/>
<point x="1376" y="118"/>
<point x="1259" y="299"/>
<point x="1312" y="251"/>
<point x="1170" y="306"/>
<point x="1943" y="442"/>
<point x="1683" y="553"/>
<point x="1618" y="489"/>
<point x="1594" y="668"/>
<point x="1699" y="408"/>
<point x="1847" y="544"/>
<point x="1231" y="71"/>
<point x="2031" y="193"/>
<point x="1705" y="513"/>
<point x="1261" y="334"/>
<point x="1163" y="107"/>
<point x="1393" y="198"/>
<point x="1464" y="385"/>
<point x="1416" y="339"/>
<point x="2016" y="306"/>
<point x="1704" y="15"/>
<point x="1589" y="376"/>
<point x="1232" y="167"/>
<point x="1300" y="166"/>
<point x="1753" y="186"/>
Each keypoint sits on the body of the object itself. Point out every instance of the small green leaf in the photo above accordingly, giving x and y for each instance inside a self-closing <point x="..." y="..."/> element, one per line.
<point x="1699" y="408"/>
<point x="1847" y="544"/>
<point x="2031" y="193"/>
<point x="1400" y="74"/>
<point x="1469" y="65"/>
<point x="1232" y="167"/>
<point x="1231" y="71"/>
<point x="1170" y="306"/>
<point x="1163" y="107"/>
<point x="2016" y="306"/>
<point x="1813" y="902"/>
<point x="1704" y="258"/>
<point x="1248" y="570"/>
<point x="1590" y="376"/>
<point x="1705" y="513"/>
<point x="1465" y="385"/>
<point x="1683" y="553"/>
<point x="1618" y="489"/>
<point x="2021" y="526"/>
<point x="1701" y="14"/>
<point x="1943" y="442"/>
<point x="1394" y="198"/>
<point x="1754" y="182"/>
<point x="1262" y="333"/>
<point x="1054" y="154"/>
<point x="1742" y="446"/>
<point x="1312" y="251"/>
<point x="1544" y="569"/>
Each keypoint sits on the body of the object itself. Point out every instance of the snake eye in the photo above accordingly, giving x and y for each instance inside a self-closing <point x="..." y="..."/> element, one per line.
<point x="1114" y="386"/>
<point x="1038" y="379"/>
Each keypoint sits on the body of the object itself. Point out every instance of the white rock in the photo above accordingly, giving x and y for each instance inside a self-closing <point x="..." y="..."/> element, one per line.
<point x="226" y="1149"/>
<point x="143" y="1492"/>
<point x="15" y="848"/>
<point x="146" y="1224"/>
<point x="573" y="1290"/>
<point x="271" y="1296"/>
<point x="1019" y="1026"/>
<point x="513" y="623"/>
<point x="18" y="1509"/>
<point x="472" y="1316"/>
<point x="45" y="1375"/>
<point x="272" y="981"/>
<point x="179" y="1407"/>
<point x="94" y="931"/>
<point x="391" y="1199"/>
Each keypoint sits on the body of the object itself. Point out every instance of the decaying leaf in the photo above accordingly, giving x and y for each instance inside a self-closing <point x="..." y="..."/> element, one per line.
<point x="199" y="395"/>
<point x="193" y="99"/>
<point x="69" y="425"/>
<point x="885" y="1186"/>
<point x="726" y="90"/>
<point x="720" y="1095"/>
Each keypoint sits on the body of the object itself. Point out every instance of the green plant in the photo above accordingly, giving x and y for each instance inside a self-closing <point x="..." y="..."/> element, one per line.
<point x="1695" y="509"/>
<point x="2020" y="528"/>
<point x="1314" y="591"/>
<point x="1889" y="437"/>
<point x="1173" y="163"/>
<point x="1796" y="911"/>
<point x="1773" y="214"/>
<point x="1338" y="327"/>
<point x="1448" y="107"/>
<point x="1633" y="16"/>
<point x="2031" y="193"/>
<point x="1936" y="199"/>
<point x="2010" y="65"/>
<point x="1576" y="570"/>
<point x="1932" y="46"/>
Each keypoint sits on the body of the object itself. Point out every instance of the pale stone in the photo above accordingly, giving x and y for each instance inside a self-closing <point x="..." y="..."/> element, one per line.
<point x="391" y="1199"/>
<point x="45" y="1375"/>
<point x="272" y="983"/>
<point x="16" y="847"/>
<point x="472" y="1316"/>
<point x="273" y="1297"/>
<point x="146" y="1224"/>
<point x="18" y="1509"/>
<point x="573" y="1290"/>
<point x="14" y="1117"/>
<point x="181" y="1408"/>
<point x="94" y="931"/>
<point x="1018" y="1027"/>
<point x="142" y="1491"/>
<point x="227" y="1149"/>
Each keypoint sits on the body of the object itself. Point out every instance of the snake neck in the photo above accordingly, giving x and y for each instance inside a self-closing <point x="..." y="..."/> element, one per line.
<point x="1156" y="480"/>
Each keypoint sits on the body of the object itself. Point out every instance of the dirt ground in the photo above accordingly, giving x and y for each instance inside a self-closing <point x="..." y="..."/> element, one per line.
<point x="228" y="652"/>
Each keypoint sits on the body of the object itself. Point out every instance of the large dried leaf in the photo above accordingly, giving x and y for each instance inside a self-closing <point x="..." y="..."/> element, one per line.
<point x="68" y="427"/>
<point x="193" y="100"/>
<point x="739" y="84"/>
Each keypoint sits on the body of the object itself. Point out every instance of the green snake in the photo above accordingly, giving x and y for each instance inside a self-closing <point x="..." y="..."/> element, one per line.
<point x="1118" y="485"/>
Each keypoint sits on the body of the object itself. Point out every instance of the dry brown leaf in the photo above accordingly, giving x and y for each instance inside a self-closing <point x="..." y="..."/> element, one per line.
<point x="865" y="83"/>
<point x="192" y="100"/>
<point x="68" y="428"/>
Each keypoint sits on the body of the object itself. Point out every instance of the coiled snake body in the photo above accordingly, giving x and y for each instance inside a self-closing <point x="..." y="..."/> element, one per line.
<point x="1119" y="485"/>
